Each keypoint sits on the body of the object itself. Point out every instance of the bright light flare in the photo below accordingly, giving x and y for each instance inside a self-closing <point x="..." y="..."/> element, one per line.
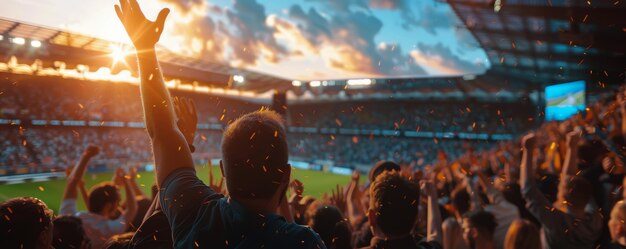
<point x="359" y="82"/>
<point x="118" y="54"/>
<point x="315" y="83"/>
<point x="35" y="44"/>
<point x="18" y="40"/>
<point x="238" y="78"/>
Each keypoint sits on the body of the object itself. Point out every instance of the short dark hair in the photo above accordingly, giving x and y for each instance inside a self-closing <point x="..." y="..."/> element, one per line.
<point x="255" y="155"/>
<point x="22" y="220"/>
<point x="483" y="221"/>
<point x="380" y="167"/>
<point x="332" y="227"/>
<point x="68" y="232"/>
<point x="461" y="200"/>
<point x="394" y="199"/>
<point x="102" y="194"/>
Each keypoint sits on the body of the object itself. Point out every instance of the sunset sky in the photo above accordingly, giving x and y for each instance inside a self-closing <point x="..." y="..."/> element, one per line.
<point x="299" y="40"/>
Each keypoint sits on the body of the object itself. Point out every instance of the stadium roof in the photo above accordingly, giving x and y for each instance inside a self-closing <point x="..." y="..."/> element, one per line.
<point x="539" y="42"/>
<point x="174" y="65"/>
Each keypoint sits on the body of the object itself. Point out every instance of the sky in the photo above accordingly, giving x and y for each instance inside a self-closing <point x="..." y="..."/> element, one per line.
<point x="293" y="39"/>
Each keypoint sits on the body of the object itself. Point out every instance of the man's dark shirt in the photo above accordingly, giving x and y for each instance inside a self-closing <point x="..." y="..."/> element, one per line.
<point x="407" y="242"/>
<point x="154" y="233"/>
<point x="616" y="246"/>
<point x="201" y="218"/>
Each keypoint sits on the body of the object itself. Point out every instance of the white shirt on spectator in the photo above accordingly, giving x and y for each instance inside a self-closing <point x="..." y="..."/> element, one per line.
<point x="97" y="227"/>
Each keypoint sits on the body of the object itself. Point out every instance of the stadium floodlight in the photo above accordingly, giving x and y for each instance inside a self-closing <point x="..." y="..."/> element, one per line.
<point x="497" y="5"/>
<point x="315" y="83"/>
<point x="238" y="78"/>
<point x="35" y="44"/>
<point x="359" y="82"/>
<point x="296" y="83"/>
<point x="18" y="40"/>
<point x="469" y="77"/>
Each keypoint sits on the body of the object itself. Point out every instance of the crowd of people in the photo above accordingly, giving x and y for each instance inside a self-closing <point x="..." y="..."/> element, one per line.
<point x="557" y="186"/>
<point x="46" y="149"/>
<point x="28" y="99"/>
<point x="412" y="115"/>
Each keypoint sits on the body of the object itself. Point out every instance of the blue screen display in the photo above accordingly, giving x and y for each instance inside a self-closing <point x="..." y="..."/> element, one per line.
<point x="564" y="100"/>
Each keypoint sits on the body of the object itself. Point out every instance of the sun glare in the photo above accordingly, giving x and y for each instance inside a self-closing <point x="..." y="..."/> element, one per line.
<point x="118" y="54"/>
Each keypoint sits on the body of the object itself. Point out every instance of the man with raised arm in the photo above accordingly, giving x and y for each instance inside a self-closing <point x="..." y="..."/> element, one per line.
<point x="104" y="200"/>
<point x="571" y="222"/>
<point x="255" y="164"/>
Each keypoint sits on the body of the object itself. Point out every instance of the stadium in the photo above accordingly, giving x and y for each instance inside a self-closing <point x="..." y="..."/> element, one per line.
<point x="461" y="120"/>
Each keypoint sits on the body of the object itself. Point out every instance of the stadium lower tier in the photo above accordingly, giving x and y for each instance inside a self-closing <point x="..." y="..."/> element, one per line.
<point x="50" y="149"/>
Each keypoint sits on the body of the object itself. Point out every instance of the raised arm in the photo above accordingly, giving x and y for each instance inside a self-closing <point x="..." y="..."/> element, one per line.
<point x="78" y="172"/>
<point x="355" y="210"/>
<point x="133" y="182"/>
<point x="170" y="148"/>
<point x="570" y="164"/>
<point x="131" y="202"/>
<point x="433" y="222"/>
<point x="526" y="169"/>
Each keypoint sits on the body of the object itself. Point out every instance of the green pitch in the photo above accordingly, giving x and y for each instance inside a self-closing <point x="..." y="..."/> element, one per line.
<point x="315" y="183"/>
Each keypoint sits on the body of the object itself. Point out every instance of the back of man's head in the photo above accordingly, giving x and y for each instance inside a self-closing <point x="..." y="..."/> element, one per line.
<point x="380" y="167"/>
<point x="22" y="222"/>
<point x="329" y="223"/>
<point x="255" y="155"/>
<point x="101" y="195"/>
<point x="394" y="201"/>
<point x="483" y="221"/>
<point x="577" y="192"/>
<point x="68" y="233"/>
<point x="461" y="200"/>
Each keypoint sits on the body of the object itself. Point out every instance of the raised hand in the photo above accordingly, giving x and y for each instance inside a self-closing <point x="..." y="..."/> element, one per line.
<point x="219" y="188"/>
<point x="91" y="151"/>
<point x="572" y="138"/>
<point x="119" y="177"/>
<point x="298" y="188"/>
<point x="529" y="141"/>
<point x="338" y="199"/>
<point x="187" y="118"/>
<point x="133" y="173"/>
<point x="143" y="32"/>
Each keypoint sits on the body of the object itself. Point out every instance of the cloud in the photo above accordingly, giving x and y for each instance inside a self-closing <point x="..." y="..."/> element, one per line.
<point x="441" y="59"/>
<point x="346" y="40"/>
<point x="185" y="5"/>
<point x="429" y="17"/>
<point x="343" y="5"/>
<point x="387" y="4"/>
<point x="342" y="39"/>
<point x="251" y="36"/>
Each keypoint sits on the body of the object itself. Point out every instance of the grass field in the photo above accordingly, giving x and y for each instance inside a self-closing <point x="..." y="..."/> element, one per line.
<point x="315" y="183"/>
